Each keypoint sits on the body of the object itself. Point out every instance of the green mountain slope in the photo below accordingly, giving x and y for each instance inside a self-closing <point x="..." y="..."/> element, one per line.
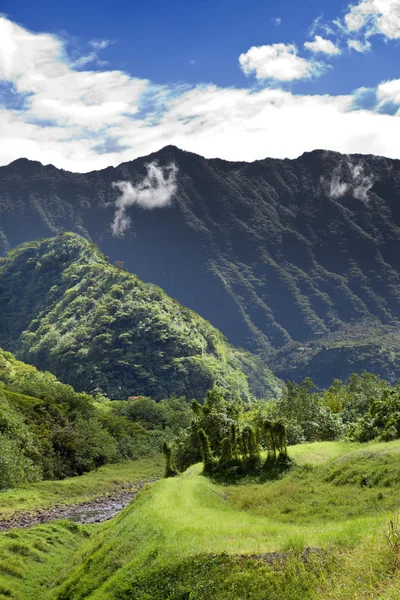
<point x="273" y="253"/>
<point x="67" y="310"/>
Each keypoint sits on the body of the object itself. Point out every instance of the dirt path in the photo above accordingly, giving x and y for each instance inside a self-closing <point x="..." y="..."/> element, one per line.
<point x="97" y="510"/>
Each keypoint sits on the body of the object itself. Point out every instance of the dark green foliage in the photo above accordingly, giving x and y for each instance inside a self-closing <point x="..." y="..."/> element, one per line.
<point x="103" y="330"/>
<point x="382" y="419"/>
<point x="262" y="250"/>
<point x="215" y="417"/>
<point x="226" y="457"/>
<point x="228" y="448"/>
<point x="170" y="470"/>
<point x="234" y="441"/>
<point x="250" y="448"/>
<point x="47" y="430"/>
<point x="306" y="416"/>
<point x="206" y="453"/>
<point x="172" y="414"/>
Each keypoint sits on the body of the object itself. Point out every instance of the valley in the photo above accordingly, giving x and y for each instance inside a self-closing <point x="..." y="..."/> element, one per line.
<point x="199" y="300"/>
<point x="303" y="536"/>
<point x="248" y="246"/>
<point x="145" y="454"/>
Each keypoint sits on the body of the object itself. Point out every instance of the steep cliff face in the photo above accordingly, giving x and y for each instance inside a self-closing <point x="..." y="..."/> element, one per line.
<point x="276" y="254"/>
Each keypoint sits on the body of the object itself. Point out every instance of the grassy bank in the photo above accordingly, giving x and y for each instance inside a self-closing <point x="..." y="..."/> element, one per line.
<point x="45" y="494"/>
<point x="190" y="531"/>
<point x="33" y="561"/>
<point x="188" y="538"/>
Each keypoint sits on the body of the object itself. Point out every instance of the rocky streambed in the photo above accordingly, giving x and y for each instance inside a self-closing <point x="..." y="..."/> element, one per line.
<point x="97" y="510"/>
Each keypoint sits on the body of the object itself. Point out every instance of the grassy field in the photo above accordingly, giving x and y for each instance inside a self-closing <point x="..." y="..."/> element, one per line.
<point x="334" y="505"/>
<point x="45" y="494"/>
<point x="190" y="539"/>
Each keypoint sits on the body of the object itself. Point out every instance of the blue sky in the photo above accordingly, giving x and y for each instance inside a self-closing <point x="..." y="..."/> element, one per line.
<point x="86" y="84"/>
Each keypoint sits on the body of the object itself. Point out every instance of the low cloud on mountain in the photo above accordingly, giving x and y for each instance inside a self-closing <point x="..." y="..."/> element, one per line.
<point x="358" y="184"/>
<point x="155" y="191"/>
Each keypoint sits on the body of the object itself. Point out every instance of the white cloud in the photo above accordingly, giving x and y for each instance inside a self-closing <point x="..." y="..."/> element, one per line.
<point x="100" y="44"/>
<point x="38" y="67"/>
<point x="337" y="188"/>
<point x="93" y="56"/>
<point x="277" y="21"/>
<point x="389" y="91"/>
<point x="357" y="183"/>
<point x="359" y="46"/>
<point x="278" y="61"/>
<point x="321" y="45"/>
<point x="85" y="120"/>
<point x="362" y="182"/>
<point x="375" y="17"/>
<point x="155" y="191"/>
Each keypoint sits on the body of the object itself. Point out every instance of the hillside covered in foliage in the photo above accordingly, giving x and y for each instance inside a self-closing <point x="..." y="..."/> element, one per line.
<point x="67" y="310"/>
<point x="295" y="259"/>
<point x="49" y="431"/>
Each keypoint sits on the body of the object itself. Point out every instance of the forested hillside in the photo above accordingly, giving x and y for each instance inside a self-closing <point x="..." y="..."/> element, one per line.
<point x="296" y="256"/>
<point x="97" y="327"/>
<point x="49" y="431"/>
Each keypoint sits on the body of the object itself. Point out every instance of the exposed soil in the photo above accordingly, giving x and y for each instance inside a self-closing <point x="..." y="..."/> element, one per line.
<point x="97" y="510"/>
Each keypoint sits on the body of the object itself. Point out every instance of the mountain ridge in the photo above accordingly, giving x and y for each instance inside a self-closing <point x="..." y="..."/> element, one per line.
<point x="272" y="253"/>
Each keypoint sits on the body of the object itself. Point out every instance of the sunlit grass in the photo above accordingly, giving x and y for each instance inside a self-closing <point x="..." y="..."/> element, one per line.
<point x="189" y="534"/>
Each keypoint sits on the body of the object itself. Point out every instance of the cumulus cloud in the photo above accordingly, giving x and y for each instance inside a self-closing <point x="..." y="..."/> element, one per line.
<point x="323" y="46"/>
<point x="155" y="191"/>
<point x="277" y="61"/>
<point x="83" y="120"/>
<point x="38" y="67"/>
<point x="389" y="91"/>
<point x="375" y="17"/>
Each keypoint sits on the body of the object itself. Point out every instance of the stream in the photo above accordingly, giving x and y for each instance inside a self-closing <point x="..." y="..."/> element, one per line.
<point x="101" y="508"/>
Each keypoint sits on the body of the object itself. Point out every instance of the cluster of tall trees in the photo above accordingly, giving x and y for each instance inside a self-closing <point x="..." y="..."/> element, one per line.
<point x="225" y="442"/>
<point x="231" y="437"/>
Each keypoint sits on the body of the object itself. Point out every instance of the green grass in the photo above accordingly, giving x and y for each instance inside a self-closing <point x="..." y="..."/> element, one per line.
<point x="45" y="494"/>
<point x="190" y="539"/>
<point x="323" y="452"/>
<point x="31" y="561"/>
<point x="325" y="506"/>
<point x="348" y="493"/>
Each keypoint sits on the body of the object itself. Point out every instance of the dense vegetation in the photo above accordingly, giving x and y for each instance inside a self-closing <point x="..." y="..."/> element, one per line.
<point x="236" y="440"/>
<point x="48" y="431"/>
<point x="269" y="252"/>
<point x="97" y="327"/>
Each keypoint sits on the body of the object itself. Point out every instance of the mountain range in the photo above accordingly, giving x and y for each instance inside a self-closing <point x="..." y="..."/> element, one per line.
<point x="297" y="261"/>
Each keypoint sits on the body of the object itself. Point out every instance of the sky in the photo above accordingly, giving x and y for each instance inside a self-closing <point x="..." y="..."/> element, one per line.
<point x="85" y="85"/>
